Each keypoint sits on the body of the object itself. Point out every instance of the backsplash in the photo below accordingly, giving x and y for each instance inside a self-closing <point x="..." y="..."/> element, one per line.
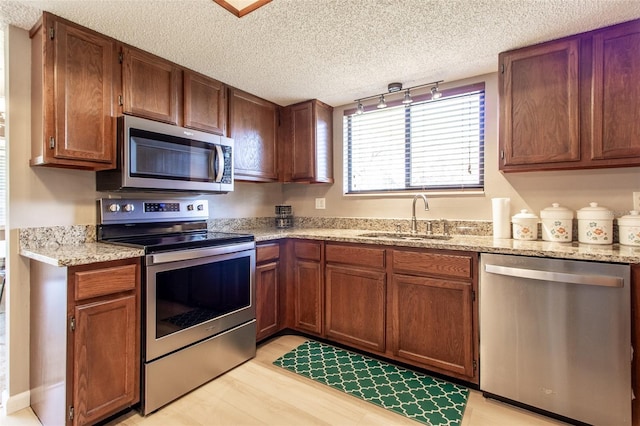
<point x="80" y="234"/>
<point x="54" y="236"/>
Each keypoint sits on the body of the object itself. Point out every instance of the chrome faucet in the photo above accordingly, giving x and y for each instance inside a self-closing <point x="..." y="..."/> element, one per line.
<point x="414" y="222"/>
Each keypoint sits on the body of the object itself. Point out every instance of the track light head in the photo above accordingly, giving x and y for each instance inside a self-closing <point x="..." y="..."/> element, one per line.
<point x="407" y="97"/>
<point x="435" y="93"/>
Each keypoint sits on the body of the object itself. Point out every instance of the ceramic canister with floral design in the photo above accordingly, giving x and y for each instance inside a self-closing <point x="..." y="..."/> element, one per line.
<point x="525" y="226"/>
<point x="595" y="225"/>
<point x="557" y="223"/>
<point x="629" y="229"/>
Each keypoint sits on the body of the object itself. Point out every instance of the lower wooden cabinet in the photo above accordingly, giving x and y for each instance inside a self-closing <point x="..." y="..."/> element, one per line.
<point x="356" y="295"/>
<point x="84" y="341"/>
<point x="267" y="290"/>
<point x="433" y="311"/>
<point x="432" y="323"/>
<point x="417" y="306"/>
<point x="355" y="306"/>
<point x="308" y="286"/>
<point x="105" y="357"/>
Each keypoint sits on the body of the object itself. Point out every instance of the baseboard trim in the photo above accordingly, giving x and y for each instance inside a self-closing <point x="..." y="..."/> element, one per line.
<point x="12" y="404"/>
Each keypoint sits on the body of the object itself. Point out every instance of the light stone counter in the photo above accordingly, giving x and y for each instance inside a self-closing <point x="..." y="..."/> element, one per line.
<point x="614" y="253"/>
<point x="80" y="254"/>
<point x="70" y="246"/>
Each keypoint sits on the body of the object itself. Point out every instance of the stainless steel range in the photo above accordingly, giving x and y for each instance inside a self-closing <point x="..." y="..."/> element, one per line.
<point x="198" y="296"/>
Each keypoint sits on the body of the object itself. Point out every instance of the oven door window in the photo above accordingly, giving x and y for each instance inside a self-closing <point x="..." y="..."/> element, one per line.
<point x="194" y="295"/>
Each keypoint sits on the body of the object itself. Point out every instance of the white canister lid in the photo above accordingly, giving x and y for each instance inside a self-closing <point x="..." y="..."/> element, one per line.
<point x="632" y="219"/>
<point x="556" y="211"/>
<point x="595" y="212"/>
<point x="524" y="217"/>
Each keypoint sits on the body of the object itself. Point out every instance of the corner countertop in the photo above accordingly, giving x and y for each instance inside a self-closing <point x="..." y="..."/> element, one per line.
<point x="91" y="252"/>
<point x="80" y="254"/>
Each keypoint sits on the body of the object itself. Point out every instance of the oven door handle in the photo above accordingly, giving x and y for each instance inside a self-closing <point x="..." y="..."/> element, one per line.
<point x="175" y="256"/>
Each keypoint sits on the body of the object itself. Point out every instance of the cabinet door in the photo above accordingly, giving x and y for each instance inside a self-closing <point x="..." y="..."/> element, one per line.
<point x="302" y="142"/>
<point x="205" y="103"/>
<point x="150" y="85"/>
<point x="267" y="293"/>
<point x="253" y="125"/>
<point x="432" y="322"/>
<point x="540" y="106"/>
<point x="78" y="96"/>
<point x="616" y="94"/>
<point x="309" y="138"/>
<point x="308" y="292"/>
<point x="105" y="358"/>
<point x="355" y="306"/>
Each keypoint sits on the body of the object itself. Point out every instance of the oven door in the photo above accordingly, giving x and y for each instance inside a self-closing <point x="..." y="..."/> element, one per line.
<point x="194" y="294"/>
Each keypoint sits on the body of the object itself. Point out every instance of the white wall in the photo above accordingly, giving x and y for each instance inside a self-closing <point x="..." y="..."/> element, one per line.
<point x="51" y="197"/>
<point x="534" y="190"/>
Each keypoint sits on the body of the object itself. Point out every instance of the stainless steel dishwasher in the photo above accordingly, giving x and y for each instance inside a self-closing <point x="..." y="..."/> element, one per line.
<point x="556" y="335"/>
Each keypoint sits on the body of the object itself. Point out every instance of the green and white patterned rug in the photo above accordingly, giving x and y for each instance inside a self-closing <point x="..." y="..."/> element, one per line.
<point x="417" y="396"/>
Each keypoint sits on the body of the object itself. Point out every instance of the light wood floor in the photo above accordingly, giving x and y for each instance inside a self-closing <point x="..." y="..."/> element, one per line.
<point x="259" y="393"/>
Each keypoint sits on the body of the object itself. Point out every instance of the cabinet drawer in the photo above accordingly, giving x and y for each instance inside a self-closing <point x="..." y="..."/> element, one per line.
<point x="100" y="282"/>
<point x="265" y="252"/>
<point x="444" y="265"/>
<point x="307" y="250"/>
<point x="353" y="255"/>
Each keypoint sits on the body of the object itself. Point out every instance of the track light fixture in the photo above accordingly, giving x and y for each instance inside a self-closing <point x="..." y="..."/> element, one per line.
<point x="407" y="97"/>
<point x="397" y="87"/>
<point x="435" y="93"/>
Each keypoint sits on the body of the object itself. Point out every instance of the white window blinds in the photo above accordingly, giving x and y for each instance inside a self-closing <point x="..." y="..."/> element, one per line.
<point x="426" y="145"/>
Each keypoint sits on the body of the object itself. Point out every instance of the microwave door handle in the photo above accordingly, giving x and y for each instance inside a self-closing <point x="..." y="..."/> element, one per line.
<point x="212" y="165"/>
<point x="220" y="160"/>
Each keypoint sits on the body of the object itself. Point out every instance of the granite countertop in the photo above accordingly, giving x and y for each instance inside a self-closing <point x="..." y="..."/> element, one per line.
<point x="80" y="254"/>
<point x="614" y="253"/>
<point x="90" y="252"/>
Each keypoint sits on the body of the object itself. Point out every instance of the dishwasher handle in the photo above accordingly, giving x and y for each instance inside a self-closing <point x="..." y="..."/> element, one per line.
<point x="561" y="277"/>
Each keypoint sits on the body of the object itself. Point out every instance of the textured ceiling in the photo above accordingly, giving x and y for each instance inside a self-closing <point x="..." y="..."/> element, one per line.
<point x="334" y="50"/>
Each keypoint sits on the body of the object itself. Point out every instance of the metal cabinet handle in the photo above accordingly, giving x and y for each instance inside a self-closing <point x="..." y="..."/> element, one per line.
<point x="561" y="277"/>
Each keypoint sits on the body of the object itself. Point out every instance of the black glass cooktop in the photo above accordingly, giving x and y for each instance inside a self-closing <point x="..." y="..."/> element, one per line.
<point x="181" y="241"/>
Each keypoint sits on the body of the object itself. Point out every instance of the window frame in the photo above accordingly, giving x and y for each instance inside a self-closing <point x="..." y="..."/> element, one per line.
<point x="459" y="189"/>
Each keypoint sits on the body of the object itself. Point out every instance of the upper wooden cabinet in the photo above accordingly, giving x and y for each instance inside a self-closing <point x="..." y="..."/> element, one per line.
<point x="616" y="94"/>
<point x="308" y="142"/>
<point x="205" y="103"/>
<point x="150" y="86"/>
<point x="160" y="90"/>
<point x="572" y="103"/>
<point x="72" y="96"/>
<point x="253" y="125"/>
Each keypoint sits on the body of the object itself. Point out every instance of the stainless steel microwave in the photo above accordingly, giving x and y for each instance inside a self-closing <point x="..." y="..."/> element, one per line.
<point x="157" y="156"/>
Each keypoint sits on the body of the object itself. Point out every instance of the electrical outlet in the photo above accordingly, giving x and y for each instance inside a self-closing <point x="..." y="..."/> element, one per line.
<point x="320" y="203"/>
<point x="636" y="201"/>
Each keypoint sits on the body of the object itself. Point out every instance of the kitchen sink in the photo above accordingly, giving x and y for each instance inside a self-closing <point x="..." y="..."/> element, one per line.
<point x="403" y="236"/>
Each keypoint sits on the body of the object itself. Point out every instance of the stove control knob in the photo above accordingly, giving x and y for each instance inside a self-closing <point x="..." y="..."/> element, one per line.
<point x="200" y="207"/>
<point x="128" y="207"/>
<point x="190" y="207"/>
<point x="113" y="208"/>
